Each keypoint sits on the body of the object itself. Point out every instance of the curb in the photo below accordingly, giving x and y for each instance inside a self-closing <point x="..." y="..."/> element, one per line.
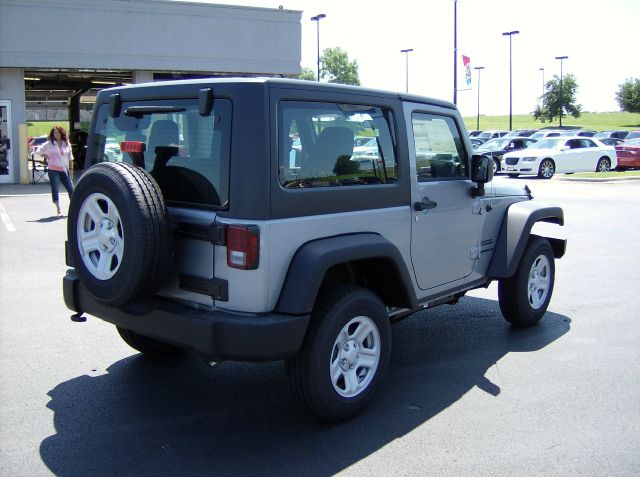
<point x="596" y="179"/>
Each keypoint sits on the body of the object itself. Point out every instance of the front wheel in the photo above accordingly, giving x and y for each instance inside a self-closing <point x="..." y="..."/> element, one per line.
<point x="524" y="298"/>
<point x="604" y="165"/>
<point x="344" y="356"/>
<point x="547" y="169"/>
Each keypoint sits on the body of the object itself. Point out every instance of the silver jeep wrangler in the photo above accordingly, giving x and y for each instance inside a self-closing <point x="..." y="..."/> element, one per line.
<point x="269" y="219"/>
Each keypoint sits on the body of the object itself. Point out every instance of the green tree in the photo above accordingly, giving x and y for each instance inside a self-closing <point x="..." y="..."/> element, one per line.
<point x="306" y="74"/>
<point x="336" y="67"/>
<point x="628" y="96"/>
<point x="556" y="105"/>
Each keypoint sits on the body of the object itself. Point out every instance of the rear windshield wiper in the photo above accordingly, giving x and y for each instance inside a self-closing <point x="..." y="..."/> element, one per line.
<point x="139" y="111"/>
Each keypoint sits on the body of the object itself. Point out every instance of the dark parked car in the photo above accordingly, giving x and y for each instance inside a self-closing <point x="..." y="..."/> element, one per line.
<point x="610" y="141"/>
<point x="476" y="142"/>
<point x="520" y="133"/>
<point x="615" y="134"/>
<point x="579" y="132"/>
<point x="628" y="154"/>
<point x="497" y="147"/>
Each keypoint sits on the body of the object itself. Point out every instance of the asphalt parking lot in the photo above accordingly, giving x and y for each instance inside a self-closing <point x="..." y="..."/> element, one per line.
<point x="465" y="394"/>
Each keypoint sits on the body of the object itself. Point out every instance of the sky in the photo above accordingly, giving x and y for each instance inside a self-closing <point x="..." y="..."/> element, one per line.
<point x="600" y="39"/>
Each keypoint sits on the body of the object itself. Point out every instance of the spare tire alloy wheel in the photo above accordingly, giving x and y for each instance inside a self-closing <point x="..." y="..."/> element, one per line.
<point x="344" y="356"/>
<point x="118" y="233"/>
<point x="100" y="236"/>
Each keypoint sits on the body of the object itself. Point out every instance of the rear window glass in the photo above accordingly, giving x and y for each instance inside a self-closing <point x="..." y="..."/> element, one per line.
<point x="186" y="153"/>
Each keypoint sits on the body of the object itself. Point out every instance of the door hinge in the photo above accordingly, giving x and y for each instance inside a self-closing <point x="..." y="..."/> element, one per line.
<point x="214" y="233"/>
<point x="216" y="288"/>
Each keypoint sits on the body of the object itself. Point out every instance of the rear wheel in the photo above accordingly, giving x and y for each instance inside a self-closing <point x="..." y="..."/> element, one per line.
<point x="547" y="169"/>
<point x="524" y="298"/>
<point x="604" y="165"/>
<point x="344" y="356"/>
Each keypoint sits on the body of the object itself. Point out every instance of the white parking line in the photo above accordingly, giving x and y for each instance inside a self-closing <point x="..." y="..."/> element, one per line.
<point x="6" y="220"/>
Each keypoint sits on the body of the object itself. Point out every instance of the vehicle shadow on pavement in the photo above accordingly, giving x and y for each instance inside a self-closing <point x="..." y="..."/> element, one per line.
<point x="176" y="416"/>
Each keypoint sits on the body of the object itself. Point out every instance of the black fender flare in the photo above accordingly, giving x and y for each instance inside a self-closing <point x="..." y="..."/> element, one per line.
<point x="311" y="262"/>
<point x="515" y="232"/>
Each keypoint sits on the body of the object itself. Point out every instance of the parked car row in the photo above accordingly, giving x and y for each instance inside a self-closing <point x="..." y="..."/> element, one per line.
<point x="545" y="152"/>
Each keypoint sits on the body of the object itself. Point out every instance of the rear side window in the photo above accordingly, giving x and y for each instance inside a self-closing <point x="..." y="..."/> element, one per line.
<point x="334" y="145"/>
<point x="186" y="153"/>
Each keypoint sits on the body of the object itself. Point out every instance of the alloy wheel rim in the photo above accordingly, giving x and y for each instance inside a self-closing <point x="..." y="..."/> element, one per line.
<point x="547" y="169"/>
<point x="539" y="282"/>
<point x="100" y="236"/>
<point x="355" y="357"/>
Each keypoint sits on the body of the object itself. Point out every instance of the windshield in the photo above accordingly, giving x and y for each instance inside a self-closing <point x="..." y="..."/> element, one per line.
<point x="551" y="143"/>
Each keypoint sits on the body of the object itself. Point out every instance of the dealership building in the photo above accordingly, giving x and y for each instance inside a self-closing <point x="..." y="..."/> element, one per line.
<point x="56" y="55"/>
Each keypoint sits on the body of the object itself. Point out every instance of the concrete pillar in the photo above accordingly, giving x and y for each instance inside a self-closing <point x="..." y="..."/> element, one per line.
<point x="12" y="89"/>
<point x="142" y="76"/>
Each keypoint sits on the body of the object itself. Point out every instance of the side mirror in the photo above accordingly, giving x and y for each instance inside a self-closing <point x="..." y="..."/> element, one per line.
<point x="481" y="173"/>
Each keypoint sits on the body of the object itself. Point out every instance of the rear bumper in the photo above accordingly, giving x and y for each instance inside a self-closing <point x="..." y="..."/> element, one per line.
<point x="216" y="335"/>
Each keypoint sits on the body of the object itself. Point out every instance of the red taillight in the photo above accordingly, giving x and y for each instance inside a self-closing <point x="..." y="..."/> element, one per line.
<point x="243" y="246"/>
<point x="132" y="146"/>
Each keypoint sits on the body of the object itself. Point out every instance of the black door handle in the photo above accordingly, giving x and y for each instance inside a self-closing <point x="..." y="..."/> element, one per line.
<point x="425" y="204"/>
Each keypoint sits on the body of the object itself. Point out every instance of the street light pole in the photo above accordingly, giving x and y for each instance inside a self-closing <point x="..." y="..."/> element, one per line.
<point x="406" y="53"/>
<point x="317" y="19"/>
<point x="542" y="69"/>
<point x="455" y="52"/>
<point x="561" y="99"/>
<point x="478" y="120"/>
<point x="510" y="34"/>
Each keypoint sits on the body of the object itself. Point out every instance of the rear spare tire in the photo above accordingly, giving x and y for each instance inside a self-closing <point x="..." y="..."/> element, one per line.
<point x="118" y="233"/>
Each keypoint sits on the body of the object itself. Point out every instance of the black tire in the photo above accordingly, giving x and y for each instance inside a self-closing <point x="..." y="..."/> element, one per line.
<point x="336" y="317"/>
<point x="604" y="165"/>
<point x="547" y="169"/>
<point x="513" y="176"/>
<point x="524" y="298"/>
<point x="118" y="233"/>
<point x="496" y="165"/>
<point x="147" y="345"/>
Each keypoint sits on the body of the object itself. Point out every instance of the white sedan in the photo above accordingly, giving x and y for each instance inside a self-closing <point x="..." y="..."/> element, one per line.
<point x="560" y="154"/>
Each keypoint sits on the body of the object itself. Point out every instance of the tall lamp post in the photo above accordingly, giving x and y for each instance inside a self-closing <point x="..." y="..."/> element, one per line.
<point x="561" y="103"/>
<point x="317" y="19"/>
<point x="406" y="53"/>
<point x="455" y="52"/>
<point x="542" y="69"/>
<point x="478" y="120"/>
<point x="510" y="34"/>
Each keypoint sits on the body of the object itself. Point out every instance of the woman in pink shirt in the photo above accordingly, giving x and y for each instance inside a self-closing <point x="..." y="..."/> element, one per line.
<point x="57" y="150"/>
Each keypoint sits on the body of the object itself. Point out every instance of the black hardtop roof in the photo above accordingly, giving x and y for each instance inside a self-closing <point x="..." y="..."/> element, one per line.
<point x="196" y="84"/>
